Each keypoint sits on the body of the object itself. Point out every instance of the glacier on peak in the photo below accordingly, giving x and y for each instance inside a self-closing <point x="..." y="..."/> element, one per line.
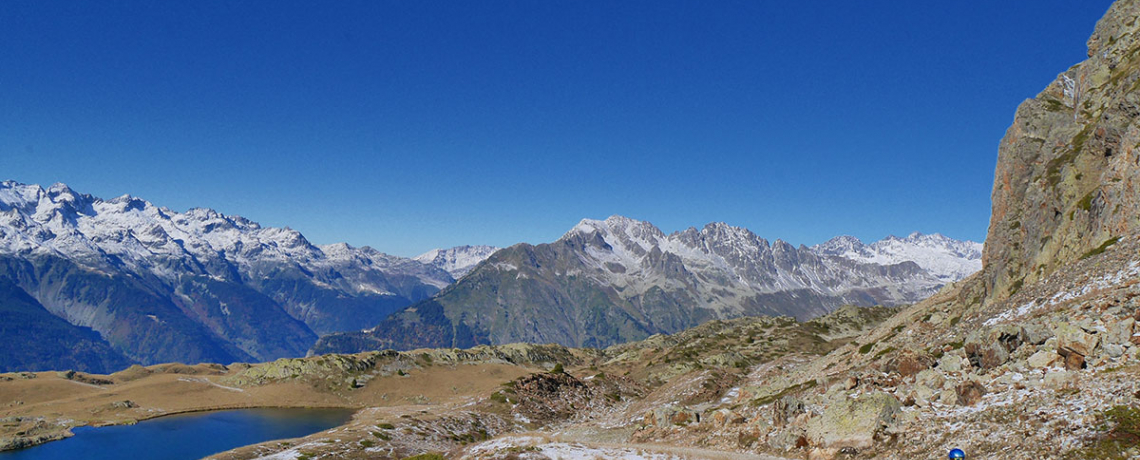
<point x="458" y="260"/>
<point x="130" y="231"/>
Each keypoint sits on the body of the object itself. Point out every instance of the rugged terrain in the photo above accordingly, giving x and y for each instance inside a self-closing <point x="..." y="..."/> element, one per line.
<point x="442" y="400"/>
<point x="1036" y="356"/>
<point x="158" y="285"/>
<point x="617" y="280"/>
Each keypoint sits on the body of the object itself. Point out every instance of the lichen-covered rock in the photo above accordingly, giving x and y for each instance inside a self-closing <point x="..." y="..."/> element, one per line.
<point x="1067" y="171"/>
<point x="1044" y="358"/>
<point x="853" y="422"/>
<point x="1072" y="339"/>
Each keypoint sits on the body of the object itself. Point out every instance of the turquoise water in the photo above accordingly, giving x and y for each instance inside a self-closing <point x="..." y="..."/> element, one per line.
<point x="186" y="436"/>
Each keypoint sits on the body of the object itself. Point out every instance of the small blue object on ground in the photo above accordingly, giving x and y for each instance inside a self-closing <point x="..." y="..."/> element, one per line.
<point x="957" y="453"/>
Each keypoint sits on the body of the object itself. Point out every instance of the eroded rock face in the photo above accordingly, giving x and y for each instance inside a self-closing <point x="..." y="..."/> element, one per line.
<point x="1068" y="177"/>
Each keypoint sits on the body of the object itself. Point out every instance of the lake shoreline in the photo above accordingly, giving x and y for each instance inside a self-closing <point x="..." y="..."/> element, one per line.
<point x="21" y="443"/>
<point x="26" y="442"/>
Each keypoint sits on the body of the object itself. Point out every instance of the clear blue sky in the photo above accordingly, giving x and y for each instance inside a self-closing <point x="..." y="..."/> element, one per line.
<point x="407" y="125"/>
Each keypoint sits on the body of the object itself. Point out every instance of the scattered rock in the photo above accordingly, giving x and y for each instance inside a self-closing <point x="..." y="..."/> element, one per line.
<point x="785" y="410"/>
<point x="950" y="363"/>
<point x="124" y="404"/>
<point x="969" y="393"/>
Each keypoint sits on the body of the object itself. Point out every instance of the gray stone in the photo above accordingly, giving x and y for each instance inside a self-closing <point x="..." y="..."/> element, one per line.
<point x="1043" y="359"/>
<point x="852" y="422"/>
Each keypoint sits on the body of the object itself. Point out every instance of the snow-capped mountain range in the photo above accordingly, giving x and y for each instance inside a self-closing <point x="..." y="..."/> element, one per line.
<point x="619" y="279"/>
<point x="160" y="285"/>
<point x="944" y="257"/>
<point x="457" y="260"/>
<point x="195" y="285"/>
<point x="733" y="258"/>
<point x="131" y="233"/>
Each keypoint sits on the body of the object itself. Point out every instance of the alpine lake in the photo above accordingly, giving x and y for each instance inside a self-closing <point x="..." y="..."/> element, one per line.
<point x="185" y="436"/>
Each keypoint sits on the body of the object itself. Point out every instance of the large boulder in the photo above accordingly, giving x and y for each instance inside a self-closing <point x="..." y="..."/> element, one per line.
<point x="1044" y="358"/>
<point x="1074" y="344"/>
<point x="853" y="421"/>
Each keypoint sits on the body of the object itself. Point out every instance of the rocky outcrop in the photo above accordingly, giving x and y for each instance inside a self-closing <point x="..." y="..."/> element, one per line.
<point x="1067" y="182"/>
<point x="853" y="422"/>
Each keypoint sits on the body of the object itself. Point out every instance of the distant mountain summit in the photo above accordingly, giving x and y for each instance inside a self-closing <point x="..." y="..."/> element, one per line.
<point x="458" y="260"/>
<point x="620" y="279"/>
<point x="946" y="258"/>
<point x="163" y="286"/>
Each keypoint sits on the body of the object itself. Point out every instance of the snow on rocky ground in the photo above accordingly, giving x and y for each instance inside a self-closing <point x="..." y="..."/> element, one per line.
<point x="534" y="447"/>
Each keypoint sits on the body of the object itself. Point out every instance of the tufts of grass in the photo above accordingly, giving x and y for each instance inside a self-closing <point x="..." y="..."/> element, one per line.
<point x="883" y="352"/>
<point x="1086" y="202"/>
<point x="428" y="456"/>
<point x="1121" y="432"/>
<point x="786" y="391"/>
<point x="1100" y="249"/>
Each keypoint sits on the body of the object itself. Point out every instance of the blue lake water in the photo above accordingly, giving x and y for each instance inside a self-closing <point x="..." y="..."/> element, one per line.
<point x="185" y="436"/>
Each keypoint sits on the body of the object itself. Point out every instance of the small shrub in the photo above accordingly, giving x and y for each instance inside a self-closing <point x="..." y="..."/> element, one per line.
<point x="558" y="369"/>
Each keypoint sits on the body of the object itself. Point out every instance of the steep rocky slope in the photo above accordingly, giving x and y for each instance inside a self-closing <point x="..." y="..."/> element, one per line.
<point x="161" y="286"/>
<point x="1066" y="180"/>
<point x="620" y="279"/>
<point x="36" y="340"/>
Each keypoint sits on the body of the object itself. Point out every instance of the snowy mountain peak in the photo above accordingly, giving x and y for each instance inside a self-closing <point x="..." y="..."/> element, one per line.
<point x="132" y="233"/>
<point x="458" y="260"/>
<point x="944" y="257"/>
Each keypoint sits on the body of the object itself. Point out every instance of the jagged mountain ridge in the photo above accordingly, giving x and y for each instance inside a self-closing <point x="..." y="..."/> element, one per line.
<point x="619" y="279"/>
<point x="457" y="261"/>
<point x="193" y="286"/>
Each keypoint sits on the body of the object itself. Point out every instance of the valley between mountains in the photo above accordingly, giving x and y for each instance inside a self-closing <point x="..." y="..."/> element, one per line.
<point x="705" y="343"/>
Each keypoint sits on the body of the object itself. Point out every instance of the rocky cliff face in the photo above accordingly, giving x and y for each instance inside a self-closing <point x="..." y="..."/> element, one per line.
<point x="1068" y="169"/>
